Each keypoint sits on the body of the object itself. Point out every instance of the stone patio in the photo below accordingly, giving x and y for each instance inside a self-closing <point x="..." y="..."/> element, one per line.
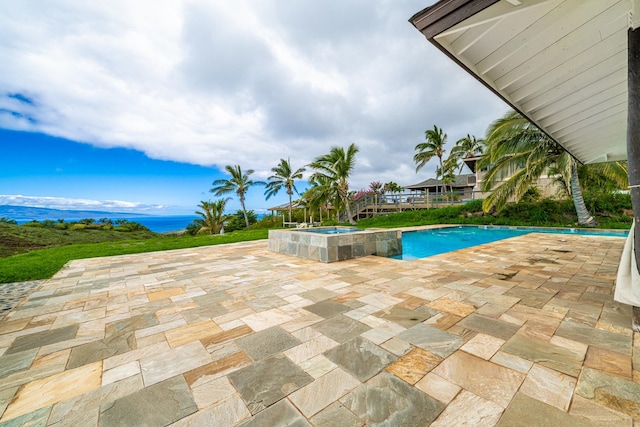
<point x="518" y="332"/>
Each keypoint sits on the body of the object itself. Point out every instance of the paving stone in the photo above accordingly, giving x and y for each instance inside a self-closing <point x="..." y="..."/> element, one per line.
<point x="336" y="415"/>
<point x="282" y="413"/>
<point x="596" y="337"/>
<point x="162" y="366"/>
<point x="526" y="411"/>
<point x="414" y="365"/>
<point x="613" y="392"/>
<point x="327" y="308"/>
<point x="388" y="401"/>
<point x="485" y="379"/>
<point x="100" y="349"/>
<point x="341" y="328"/>
<point x="40" y="339"/>
<point x="431" y="339"/>
<point x="467" y="409"/>
<point x="16" y="362"/>
<point x="360" y="358"/>
<point x="159" y="404"/>
<point x="489" y="326"/>
<point x="546" y="354"/>
<point x="267" y="381"/>
<point x="229" y="412"/>
<point x="403" y="316"/>
<point x="265" y="343"/>
<point x="32" y="419"/>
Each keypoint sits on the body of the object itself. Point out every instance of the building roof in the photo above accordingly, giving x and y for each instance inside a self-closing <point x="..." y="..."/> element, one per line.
<point x="560" y="63"/>
<point x="462" y="181"/>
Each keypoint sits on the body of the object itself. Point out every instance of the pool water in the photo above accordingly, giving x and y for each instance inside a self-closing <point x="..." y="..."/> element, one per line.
<point x="328" y="230"/>
<point x="425" y="243"/>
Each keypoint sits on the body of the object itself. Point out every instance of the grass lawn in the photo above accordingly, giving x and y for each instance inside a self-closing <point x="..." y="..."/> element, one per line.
<point x="44" y="263"/>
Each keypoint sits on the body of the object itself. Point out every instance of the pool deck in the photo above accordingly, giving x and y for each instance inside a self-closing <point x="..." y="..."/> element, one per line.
<point x="518" y="332"/>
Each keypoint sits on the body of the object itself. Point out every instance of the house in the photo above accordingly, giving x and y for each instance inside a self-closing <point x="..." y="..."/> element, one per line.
<point x="463" y="186"/>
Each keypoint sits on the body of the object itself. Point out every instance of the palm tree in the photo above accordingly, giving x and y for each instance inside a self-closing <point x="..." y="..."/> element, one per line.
<point x="433" y="146"/>
<point x="321" y="194"/>
<point x="213" y="217"/>
<point x="467" y="146"/>
<point x="334" y="169"/>
<point x="517" y="154"/>
<point x="283" y="177"/>
<point x="239" y="183"/>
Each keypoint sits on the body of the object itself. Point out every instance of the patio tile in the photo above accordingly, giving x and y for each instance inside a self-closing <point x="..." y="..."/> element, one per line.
<point x="267" y="342"/>
<point x="596" y="337"/>
<point x="608" y="361"/>
<point x="360" y="358"/>
<point x="266" y="319"/>
<point x="387" y="400"/>
<point x="526" y="411"/>
<point x="438" y="387"/>
<point x="162" y="366"/>
<point x="549" y="386"/>
<point x="215" y="369"/>
<point x="341" y="328"/>
<point x="613" y="392"/>
<point x="598" y="414"/>
<point x="56" y="388"/>
<point x="402" y="316"/>
<point x="432" y="339"/>
<point x="225" y="413"/>
<point x="489" y="326"/>
<point x="40" y="339"/>
<point x="191" y="332"/>
<point x="310" y="349"/>
<point x="453" y="307"/>
<point x="100" y="349"/>
<point x="317" y="366"/>
<point x="282" y="413"/>
<point x="414" y="365"/>
<point x="483" y="346"/>
<point x="267" y="381"/>
<point x="486" y="379"/>
<point x="16" y="362"/>
<point x="467" y="409"/>
<point x="336" y="415"/>
<point x="212" y="392"/>
<point x="159" y="404"/>
<point x="327" y="308"/>
<point x="325" y="390"/>
<point x="546" y="354"/>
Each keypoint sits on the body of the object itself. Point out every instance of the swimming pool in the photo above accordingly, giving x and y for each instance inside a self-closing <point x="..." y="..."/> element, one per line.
<point x="425" y="243"/>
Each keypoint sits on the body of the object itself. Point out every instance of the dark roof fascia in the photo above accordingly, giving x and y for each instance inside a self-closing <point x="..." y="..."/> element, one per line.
<point x="445" y="14"/>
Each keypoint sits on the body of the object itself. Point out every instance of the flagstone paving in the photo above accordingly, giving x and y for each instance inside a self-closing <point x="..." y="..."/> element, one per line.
<point x="517" y="332"/>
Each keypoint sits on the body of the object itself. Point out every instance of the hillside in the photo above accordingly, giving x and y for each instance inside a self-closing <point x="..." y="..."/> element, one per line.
<point x="28" y="213"/>
<point x="15" y="239"/>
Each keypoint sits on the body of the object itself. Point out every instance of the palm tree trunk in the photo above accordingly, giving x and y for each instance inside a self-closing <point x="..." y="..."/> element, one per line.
<point x="584" y="217"/>
<point x="244" y="211"/>
<point x="289" y="207"/>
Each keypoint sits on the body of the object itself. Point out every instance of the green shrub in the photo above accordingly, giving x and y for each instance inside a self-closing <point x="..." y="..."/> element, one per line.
<point x="77" y="226"/>
<point x="33" y="223"/>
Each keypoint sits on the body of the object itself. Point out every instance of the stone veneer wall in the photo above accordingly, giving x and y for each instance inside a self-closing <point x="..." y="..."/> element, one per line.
<point x="335" y="247"/>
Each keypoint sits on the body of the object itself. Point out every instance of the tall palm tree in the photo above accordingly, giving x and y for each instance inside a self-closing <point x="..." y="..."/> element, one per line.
<point x="334" y="169"/>
<point x="517" y="154"/>
<point x="239" y="183"/>
<point x="284" y="177"/>
<point x="433" y="146"/>
<point x="213" y="217"/>
<point x="467" y="146"/>
<point x="321" y="194"/>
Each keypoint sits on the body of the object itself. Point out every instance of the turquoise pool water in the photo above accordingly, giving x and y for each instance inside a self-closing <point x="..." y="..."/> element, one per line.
<point x="425" y="243"/>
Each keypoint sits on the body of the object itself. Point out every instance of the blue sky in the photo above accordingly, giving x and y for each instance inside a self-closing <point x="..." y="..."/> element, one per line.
<point x="138" y="106"/>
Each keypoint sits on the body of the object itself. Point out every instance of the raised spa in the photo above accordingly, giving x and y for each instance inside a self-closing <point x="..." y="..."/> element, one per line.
<point x="330" y="244"/>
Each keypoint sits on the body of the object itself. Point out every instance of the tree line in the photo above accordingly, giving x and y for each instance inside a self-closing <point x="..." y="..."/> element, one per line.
<point x="514" y="152"/>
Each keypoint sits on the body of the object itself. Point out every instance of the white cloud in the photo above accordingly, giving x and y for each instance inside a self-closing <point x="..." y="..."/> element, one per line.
<point x="78" y="204"/>
<point x="243" y="82"/>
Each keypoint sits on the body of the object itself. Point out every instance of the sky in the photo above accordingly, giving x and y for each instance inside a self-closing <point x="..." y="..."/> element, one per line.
<point x="138" y="106"/>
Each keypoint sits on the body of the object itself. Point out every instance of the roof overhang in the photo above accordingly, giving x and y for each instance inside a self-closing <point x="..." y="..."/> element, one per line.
<point x="560" y="63"/>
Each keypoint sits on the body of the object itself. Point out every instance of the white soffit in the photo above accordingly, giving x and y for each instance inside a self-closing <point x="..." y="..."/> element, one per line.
<point x="562" y="63"/>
